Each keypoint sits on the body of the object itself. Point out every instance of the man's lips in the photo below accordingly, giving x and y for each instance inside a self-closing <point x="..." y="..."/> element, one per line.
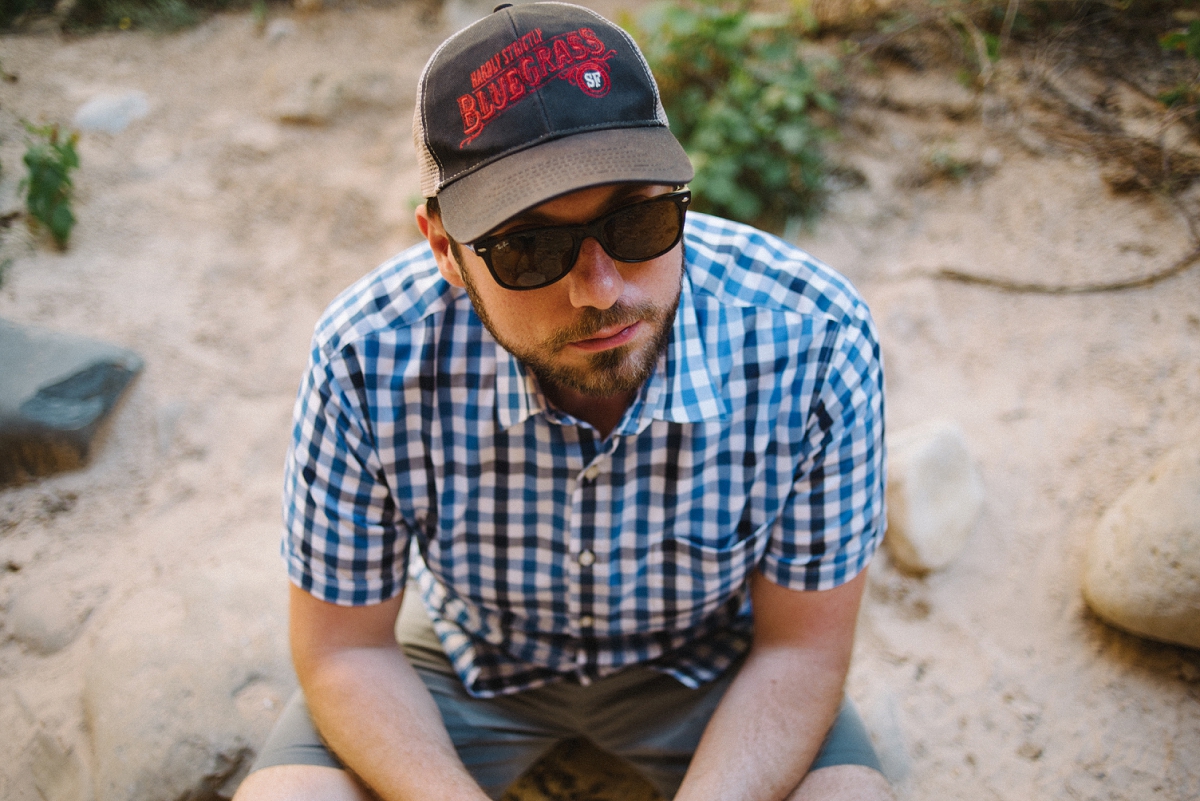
<point x="608" y="338"/>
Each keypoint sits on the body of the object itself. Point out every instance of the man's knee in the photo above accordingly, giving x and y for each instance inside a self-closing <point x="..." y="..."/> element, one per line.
<point x="301" y="783"/>
<point x="844" y="783"/>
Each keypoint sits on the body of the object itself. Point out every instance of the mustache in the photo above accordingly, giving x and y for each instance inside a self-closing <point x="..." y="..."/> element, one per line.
<point x="592" y="320"/>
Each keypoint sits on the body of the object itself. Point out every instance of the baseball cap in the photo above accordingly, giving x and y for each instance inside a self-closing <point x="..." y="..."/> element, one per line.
<point x="530" y="103"/>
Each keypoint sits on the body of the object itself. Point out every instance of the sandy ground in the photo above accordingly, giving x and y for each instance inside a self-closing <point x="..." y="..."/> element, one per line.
<point x="211" y="235"/>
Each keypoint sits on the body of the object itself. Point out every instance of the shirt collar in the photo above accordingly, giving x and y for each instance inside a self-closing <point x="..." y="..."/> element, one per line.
<point x="680" y="390"/>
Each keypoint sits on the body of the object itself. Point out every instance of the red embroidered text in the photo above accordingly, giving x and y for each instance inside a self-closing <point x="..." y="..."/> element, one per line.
<point x="500" y="82"/>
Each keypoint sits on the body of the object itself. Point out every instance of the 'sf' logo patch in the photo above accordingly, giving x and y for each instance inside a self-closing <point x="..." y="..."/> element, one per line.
<point x="593" y="78"/>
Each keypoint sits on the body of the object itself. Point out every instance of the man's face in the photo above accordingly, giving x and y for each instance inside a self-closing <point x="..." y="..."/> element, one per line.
<point x="599" y="330"/>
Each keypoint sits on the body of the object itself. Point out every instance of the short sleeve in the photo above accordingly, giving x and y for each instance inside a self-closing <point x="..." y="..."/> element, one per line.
<point x="835" y="516"/>
<point x="343" y="541"/>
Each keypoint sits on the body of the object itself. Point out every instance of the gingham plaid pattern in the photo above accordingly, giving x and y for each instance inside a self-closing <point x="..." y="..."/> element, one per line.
<point x="545" y="552"/>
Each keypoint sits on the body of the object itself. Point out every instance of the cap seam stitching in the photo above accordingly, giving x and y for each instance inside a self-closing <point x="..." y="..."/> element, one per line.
<point x="541" y="101"/>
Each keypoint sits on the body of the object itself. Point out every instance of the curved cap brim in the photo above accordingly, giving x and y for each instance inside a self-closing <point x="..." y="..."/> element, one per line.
<point x="479" y="202"/>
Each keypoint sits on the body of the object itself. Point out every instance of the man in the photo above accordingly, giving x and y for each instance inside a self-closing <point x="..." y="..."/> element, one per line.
<point x="635" y="470"/>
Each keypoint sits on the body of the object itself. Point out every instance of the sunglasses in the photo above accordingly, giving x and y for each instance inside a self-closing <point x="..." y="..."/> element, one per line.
<point x="536" y="257"/>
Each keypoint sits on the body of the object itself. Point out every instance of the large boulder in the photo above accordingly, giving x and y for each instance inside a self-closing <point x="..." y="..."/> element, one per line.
<point x="56" y="390"/>
<point x="1142" y="570"/>
<point x="934" y="495"/>
<point x="183" y="684"/>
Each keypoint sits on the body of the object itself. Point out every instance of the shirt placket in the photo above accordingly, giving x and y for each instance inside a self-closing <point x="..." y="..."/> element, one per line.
<point x="588" y="608"/>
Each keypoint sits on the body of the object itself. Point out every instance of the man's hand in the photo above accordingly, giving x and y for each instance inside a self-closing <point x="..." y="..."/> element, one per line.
<point x="768" y="728"/>
<point x="370" y="705"/>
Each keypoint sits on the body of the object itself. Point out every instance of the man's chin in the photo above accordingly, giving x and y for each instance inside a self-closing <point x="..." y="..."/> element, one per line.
<point x="616" y="371"/>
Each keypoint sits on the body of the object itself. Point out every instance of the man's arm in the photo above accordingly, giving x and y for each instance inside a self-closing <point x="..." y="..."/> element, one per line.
<point x="370" y="705"/>
<point x="768" y="728"/>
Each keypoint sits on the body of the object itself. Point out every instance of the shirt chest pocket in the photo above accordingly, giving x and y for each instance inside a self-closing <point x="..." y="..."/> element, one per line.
<point x="696" y="578"/>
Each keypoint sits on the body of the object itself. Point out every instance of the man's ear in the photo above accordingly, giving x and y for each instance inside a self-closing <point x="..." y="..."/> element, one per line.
<point x="439" y="242"/>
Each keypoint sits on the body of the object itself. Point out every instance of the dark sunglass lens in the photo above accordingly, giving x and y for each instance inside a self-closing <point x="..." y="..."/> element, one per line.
<point x="643" y="231"/>
<point x="525" y="261"/>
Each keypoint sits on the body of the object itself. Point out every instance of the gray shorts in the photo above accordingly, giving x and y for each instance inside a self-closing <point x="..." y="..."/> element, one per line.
<point x="643" y="716"/>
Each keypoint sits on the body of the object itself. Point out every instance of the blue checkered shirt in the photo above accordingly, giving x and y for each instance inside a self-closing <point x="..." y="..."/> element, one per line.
<point x="545" y="552"/>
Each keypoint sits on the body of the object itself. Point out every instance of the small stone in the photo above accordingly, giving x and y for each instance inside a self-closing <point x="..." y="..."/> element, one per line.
<point x="1142" y="572"/>
<point x="278" y="29"/>
<point x="934" y="495"/>
<point x="112" y="113"/>
<point x="1029" y="751"/>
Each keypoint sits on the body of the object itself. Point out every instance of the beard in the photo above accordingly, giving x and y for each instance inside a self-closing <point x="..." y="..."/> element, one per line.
<point x="608" y="372"/>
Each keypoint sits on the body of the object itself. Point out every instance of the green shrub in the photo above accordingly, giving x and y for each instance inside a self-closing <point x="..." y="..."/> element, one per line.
<point x="1184" y="94"/>
<point x="48" y="187"/>
<point x="740" y="98"/>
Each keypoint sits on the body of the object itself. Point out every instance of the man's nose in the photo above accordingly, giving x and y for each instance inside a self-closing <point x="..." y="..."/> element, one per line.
<point x="594" y="280"/>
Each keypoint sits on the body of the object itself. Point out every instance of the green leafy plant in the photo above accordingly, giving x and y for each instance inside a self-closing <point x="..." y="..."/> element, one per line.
<point x="48" y="187"/>
<point x="741" y="99"/>
<point x="1184" y="94"/>
<point x="1186" y="40"/>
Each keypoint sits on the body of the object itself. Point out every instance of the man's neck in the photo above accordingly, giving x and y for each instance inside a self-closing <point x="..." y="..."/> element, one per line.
<point x="602" y="412"/>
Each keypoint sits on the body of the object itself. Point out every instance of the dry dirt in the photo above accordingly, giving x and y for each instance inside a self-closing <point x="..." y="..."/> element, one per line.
<point x="212" y="234"/>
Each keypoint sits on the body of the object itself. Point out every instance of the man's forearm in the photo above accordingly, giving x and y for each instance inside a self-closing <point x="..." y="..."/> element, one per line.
<point x="766" y="731"/>
<point x="769" y="726"/>
<point x="369" y="704"/>
<point x="374" y="712"/>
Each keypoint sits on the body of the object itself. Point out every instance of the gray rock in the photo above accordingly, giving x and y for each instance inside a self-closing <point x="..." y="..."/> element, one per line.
<point x="183" y="683"/>
<point x="112" y="113"/>
<point x="1142" y="571"/>
<point x="934" y="495"/>
<point x="55" y="392"/>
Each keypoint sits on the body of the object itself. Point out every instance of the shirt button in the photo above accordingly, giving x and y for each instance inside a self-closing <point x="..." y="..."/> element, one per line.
<point x="586" y="621"/>
<point x="591" y="473"/>
<point x="587" y="558"/>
